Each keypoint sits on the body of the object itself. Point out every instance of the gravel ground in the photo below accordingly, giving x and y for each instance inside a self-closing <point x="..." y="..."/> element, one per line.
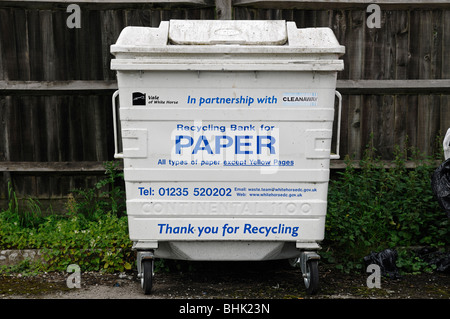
<point x="225" y="280"/>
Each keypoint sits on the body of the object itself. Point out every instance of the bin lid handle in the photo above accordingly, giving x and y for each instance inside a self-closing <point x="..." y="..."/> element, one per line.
<point x="243" y="32"/>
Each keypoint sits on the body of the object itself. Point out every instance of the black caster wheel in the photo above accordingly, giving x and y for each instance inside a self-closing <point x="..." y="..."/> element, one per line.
<point x="147" y="276"/>
<point x="311" y="277"/>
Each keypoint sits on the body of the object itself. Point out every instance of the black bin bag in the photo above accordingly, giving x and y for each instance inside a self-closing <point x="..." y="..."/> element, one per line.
<point x="440" y="183"/>
<point x="386" y="259"/>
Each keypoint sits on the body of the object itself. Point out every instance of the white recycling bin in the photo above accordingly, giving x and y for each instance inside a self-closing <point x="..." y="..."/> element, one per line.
<point x="226" y="130"/>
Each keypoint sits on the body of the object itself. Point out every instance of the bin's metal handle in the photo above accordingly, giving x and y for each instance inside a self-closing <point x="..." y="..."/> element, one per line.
<point x="446" y="145"/>
<point x="116" y="147"/>
<point x="338" y="138"/>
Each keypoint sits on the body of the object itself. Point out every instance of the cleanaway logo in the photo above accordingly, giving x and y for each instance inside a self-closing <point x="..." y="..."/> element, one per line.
<point x="300" y="99"/>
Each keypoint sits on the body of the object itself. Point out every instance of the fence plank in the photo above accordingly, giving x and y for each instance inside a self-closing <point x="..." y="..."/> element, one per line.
<point x="341" y="4"/>
<point x="52" y="167"/>
<point x="393" y="86"/>
<point x="108" y="86"/>
<point x="8" y="39"/>
<point x="109" y="2"/>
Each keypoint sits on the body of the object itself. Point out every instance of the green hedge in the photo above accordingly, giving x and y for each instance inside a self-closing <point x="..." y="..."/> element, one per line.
<point x="373" y="208"/>
<point x="92" y="232"/>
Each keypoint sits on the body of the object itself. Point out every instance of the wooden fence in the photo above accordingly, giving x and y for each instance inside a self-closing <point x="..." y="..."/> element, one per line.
<point x="56" y="83"/>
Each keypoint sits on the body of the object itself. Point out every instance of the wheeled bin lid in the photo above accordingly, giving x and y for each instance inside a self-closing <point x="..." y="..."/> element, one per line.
<point x="227" y="45"/>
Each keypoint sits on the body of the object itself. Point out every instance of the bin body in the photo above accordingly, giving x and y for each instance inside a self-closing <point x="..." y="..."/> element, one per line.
<point x="226" y="129"/>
